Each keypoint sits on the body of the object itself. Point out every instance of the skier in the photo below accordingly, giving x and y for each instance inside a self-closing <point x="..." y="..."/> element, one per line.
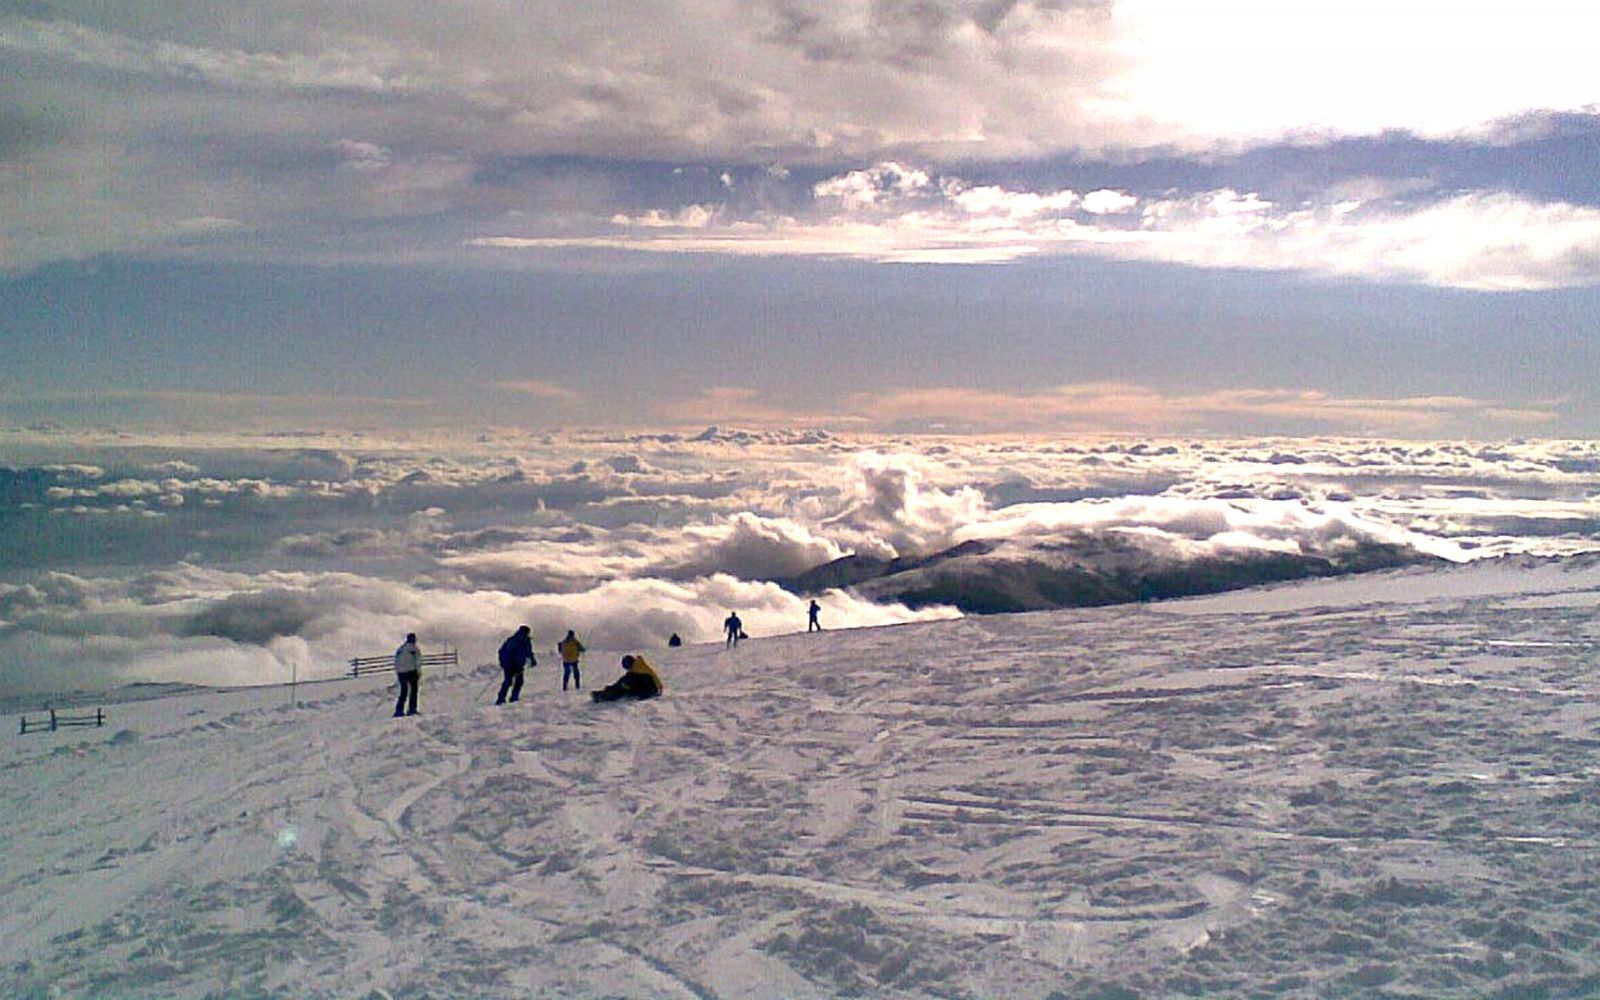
<point x="570" y="649"/>
<point x="812" y="625"/>
<point x="408" y="671"/>
<point x="734" y="627"/>
<point x="639" y="680"/>
<point x="515" y="653"/>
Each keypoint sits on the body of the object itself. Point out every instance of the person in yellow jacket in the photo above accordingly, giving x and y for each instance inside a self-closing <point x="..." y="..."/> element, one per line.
<point x="639" y="680"/>
<point x="570" y="649"/>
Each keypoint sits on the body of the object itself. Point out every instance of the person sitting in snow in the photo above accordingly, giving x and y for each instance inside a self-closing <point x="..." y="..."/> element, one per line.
<point x="515" y="654"/>
<point x="570" y="649"/>
<point x="408" y="671"/>
<point x="639" y="680"/>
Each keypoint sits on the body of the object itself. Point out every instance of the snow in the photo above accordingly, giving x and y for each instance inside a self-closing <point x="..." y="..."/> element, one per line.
<point x="1373" y="786"/>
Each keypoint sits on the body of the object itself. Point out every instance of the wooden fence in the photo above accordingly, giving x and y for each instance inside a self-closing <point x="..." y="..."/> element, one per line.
<point x="362" y="665"/>
<point x="359" y="666"/>
<point x="60" y="720"/>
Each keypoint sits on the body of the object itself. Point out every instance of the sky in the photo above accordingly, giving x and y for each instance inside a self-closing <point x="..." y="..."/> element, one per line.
<point x="1206" y="217"/>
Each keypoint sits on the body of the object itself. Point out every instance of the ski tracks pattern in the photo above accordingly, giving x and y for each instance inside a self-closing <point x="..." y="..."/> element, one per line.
<point x="1066" y="798"/>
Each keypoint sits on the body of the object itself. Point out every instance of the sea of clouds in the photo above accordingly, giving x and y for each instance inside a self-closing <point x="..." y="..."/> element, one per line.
<point x="249" y="560"/>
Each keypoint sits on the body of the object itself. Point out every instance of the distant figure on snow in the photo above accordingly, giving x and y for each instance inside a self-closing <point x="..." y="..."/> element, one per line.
<point x="515" y="654"/>
<point x="570" y="649"/>
<point x="674" y="641"/>
<point x="639" y="680"/>
<point x="408" y="671"/>
<point x="812" y="625"/>
<point x="734" y="627"/>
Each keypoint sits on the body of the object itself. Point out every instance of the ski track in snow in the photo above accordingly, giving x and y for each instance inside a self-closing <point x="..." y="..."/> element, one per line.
<point x="1343" y="788"/>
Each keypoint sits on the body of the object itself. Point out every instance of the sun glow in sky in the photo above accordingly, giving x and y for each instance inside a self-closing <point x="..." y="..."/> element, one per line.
<point x="1254" y="68"/>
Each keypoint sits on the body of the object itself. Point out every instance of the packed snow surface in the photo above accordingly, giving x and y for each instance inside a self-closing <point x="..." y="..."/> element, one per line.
<point x="1382" y="786"/>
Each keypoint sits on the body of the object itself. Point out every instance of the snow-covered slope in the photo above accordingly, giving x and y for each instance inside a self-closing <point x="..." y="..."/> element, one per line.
<point x="1386" y="786"/>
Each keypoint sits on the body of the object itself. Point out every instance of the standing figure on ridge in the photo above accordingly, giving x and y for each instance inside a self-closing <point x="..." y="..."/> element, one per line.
<point x="515" y="653"/>
<point x="639" y="680"/>
<point x="408" y="671"/>
<point x="570" y="649"/>
<point x="734" y="627"/>
<point x="812" y="625"/>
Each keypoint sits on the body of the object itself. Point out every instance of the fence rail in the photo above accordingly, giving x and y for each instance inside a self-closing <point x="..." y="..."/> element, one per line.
<point x="60" y="720"/>
<point x="362" y="665"/>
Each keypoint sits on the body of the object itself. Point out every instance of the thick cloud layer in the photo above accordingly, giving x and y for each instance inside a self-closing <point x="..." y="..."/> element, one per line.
<point x="203" y="626"/>
<point x="220" y="564"/>
<point x="290" y="128"/>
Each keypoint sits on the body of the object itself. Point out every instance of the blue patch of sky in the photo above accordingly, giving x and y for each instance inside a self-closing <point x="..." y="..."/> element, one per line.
<point x="802" y="331"/>
<point x="1555" y="162"/>
<point x="1553" y="159"/>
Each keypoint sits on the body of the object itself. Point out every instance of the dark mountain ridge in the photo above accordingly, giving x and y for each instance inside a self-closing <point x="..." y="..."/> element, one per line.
<point x="1091" y="570"/>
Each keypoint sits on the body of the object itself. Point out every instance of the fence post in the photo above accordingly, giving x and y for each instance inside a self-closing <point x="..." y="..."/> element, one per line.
<point x="52" y="720"/>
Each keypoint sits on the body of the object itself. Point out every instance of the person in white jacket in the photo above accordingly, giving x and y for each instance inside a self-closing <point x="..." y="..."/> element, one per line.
<point x="408" y="669"/>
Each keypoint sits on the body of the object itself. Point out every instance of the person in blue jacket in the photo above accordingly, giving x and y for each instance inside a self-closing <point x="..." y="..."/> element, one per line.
<point x="515" y="653"/>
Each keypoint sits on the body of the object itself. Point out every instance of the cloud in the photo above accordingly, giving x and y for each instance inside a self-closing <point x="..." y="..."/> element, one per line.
<point x="246" y="134"/>
<point x="752" y="547"/>
<point x="1107" y="202"/>
<point x="992" y="201"/>
<point x="363" y="157"/>
<point x="201" y="626"/>
<point x="344" y="549"/>
<point x="255" y="618"/>
<point x="175" y="467"/>
<point x="735" y="405"/>
<point x="130" y="488"/>
<point x="200" y="225"/>
<point x="864" y="189"/>
<point x="567" y="560"/>
<point x="1186" y="530"/>
<point x="341" y="544"/>
<point x="75" y="471"/>
<point x="1101" y="406"/>
<point x="329" y="69"/>
<point x="51" y="590"/>
<point x="549" y="391"/>
<point x="1486" y="241"/>
<point x="687" y="217"/>
<point x="895" y="512"/>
